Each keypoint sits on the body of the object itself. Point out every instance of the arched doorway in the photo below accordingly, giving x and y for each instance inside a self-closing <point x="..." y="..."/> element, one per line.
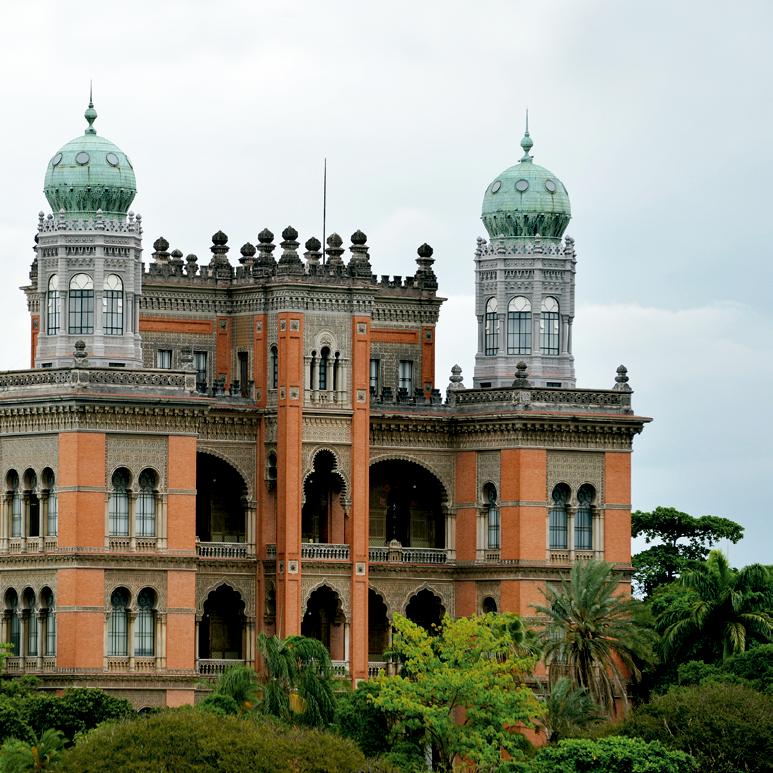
<point x="221" y="501"/>
<point x="378" y="627"/>
<point x="324" y="620"/>
<point x="221" y="631"/>
<point x="406" y="504"/>
<point x="322" y="517"/>
<point x="426" y="609"/>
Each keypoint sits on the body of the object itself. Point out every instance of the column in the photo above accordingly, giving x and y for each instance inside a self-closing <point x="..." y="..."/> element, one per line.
<point x="5" y="522"/>
<point x="251" y="526"/>
<point x="132" y="507"/>
<point x="42" y="626"/>
<point x="25" y="518"/>
<point x="196" y="642"/>
<point x="450" y="523"/>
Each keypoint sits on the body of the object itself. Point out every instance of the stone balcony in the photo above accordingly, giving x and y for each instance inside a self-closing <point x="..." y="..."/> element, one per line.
<point x="224" y="550"/>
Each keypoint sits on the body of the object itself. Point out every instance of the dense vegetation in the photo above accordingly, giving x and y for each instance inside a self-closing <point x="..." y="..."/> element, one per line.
<point x="680" y="680"/>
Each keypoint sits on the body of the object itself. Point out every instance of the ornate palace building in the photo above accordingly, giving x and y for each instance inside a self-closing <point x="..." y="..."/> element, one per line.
<point x="206" y="449"/>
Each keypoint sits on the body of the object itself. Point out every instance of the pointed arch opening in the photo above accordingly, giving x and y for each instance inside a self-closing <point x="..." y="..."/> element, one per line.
<point x="223" y="625"/>
<point x="426" y="609"/>
<point x="324" y="620"/>
<point x="221" y="501"/>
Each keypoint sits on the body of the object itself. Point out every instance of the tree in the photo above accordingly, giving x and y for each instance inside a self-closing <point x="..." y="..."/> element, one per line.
<point x="189" y="741"/>
<point x="461" y="689"/>
<point x="682" y="539"/>
<point x="727" y="728"/>
<point x="240" y="685"/>
<point x="725" y="609"/>
<point x="297" y="666"/>
<point x="568" y="709"/>
<point x="610" y="755"/>
<point x="589" y="635"/>
<point x="43" y="753"/>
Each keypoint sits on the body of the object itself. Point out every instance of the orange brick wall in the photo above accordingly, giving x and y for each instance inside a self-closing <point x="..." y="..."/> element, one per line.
<point x="617" y="520"/>
<point x="181" y="499"/>
<point x="80" y="619"/>
<point x="523" y="475"/>
<point x="465" y="498"/>
<point x="180" y="623"/>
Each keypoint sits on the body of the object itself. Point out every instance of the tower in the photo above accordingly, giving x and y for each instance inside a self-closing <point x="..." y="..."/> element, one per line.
<point x="524" y="278"/>
<point x="87" y="278"/>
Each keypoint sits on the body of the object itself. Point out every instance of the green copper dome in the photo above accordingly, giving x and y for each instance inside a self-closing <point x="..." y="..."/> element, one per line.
<point x="90" y="173"/>
<point x="526" y="200"/>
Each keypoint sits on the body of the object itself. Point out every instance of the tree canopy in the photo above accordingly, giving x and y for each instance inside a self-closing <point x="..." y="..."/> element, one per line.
<point x="682" y="539"/>
<point x="462" y="687"/>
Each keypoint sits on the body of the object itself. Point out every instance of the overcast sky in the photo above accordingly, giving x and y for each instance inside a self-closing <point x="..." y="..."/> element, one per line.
<point x="657" y="116"/>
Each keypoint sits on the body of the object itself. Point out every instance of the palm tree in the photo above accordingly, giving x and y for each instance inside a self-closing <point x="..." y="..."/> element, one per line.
<point x="17" y="756"/>
<point x="726" y="608"/>
<point x="239" y="683"/>
<point x="589" y="635"/>
<point x="567" y="709"/>
<point x="298" y="679"/>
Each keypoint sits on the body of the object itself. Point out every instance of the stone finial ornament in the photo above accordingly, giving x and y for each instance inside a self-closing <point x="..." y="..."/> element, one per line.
<point x="425" y="276"/>
<point x="569" y="246"/>
<point x="521" y="375"/>
<point x="359" y="263"/>
<point x="313" y="253"/>
<point x="264" y="264"/>
<point x="247" y="256"/>
<point x="191" y="264"/>
<point x="455" y="379"/>
<point x="219" y="264"/>
<point x="289" y="260"/>
<point x="334" y="250"/>
<point x="160" y="250"/>
<point x="80" y="355"/>
<point x="621" y="380"/>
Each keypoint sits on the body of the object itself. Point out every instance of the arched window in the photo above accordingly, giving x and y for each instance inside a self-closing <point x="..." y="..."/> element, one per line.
<point x="336" y="371"/>
<point x="52" y="502"/>
<point x="30" y="485"/>
<point x="144" y="625"/>
<point x="492" y="327"/>
<point x="274" y="367"/>
<point x="313" y="370"/>
<point x="118" y="623"/>
<point x="492" y="517"/>
<point x="31" y="612"/>
<point x="548" y="326"/>
<point x="146" y="505"/>
<point x="489" y="605"/>
<point x="49" y="643"/>
<point x="583" y="518"/>
<point x="14" y="495"/>
<point x="14" y="623"/>
<point x="558" y="517"/>
<point x="81" y="305"/>
<point x="112" y="305"/>
<point x="118" y="504"/>
<point x="323" y="366"/>
<point x="53" y="306"/>
<point x="519" y="326"/>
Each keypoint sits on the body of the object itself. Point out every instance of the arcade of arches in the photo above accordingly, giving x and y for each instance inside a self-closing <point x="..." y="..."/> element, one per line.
<point x="221" y="501"/>
<point x="322" y="517"/>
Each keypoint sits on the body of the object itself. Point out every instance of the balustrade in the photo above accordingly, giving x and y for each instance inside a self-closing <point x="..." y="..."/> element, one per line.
<point x="323" y="551"/>
<point x="217" y="666"/>
<point x="222" y="549"/>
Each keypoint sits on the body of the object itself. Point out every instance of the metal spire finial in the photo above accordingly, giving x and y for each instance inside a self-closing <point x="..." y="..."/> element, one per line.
<point x="526" y="142"/>
<point x="91" y="114"/>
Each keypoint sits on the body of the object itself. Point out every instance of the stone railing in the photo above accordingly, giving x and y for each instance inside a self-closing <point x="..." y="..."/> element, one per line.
<point x="491" y="555"/>
<point x="14" y="665"/>
<point x="145" y="664"/>
<point x="553" y="399"/>
<point x="117" y="663"/>
<point x="390" y="554"/>
<point x="536" y="247"/>
<point x="122" y="544"/>
<point x="216" y="666"/>
<point x="322" y="551"/>
<point x="222" y="549"/>
<point x="68" y="223"/>
<point x="145" y="544"/>
<point x="50" y="543"/>
<point x="340" y="667"/>
<point x="375" y="667"/>
<point x="559" y="556"/>
<point x="584" y="555"/>
<point x="271" y="551"/>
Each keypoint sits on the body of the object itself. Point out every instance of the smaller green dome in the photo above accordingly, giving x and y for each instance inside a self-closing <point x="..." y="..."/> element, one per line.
<point x="526" y="200"/>
<point x="90" y="173"/>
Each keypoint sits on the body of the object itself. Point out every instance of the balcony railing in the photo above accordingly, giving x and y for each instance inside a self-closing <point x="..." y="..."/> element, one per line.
<point x="118" y="663"/>
<point x="491" y="555"/>
<point x="271" y="551"/>
<point x="222" y="549"/>
<point x="559" y="556"/>
<point x="217" y="666"/>
<point x="375" y="667"/>
<point x="323" y="551"/>
<point x="389" y="554"/>
<point x="340" y="667"/>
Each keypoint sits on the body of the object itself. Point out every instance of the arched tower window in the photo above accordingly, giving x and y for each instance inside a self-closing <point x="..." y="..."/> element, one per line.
<point x="118" y="504"/>
<point x="146" y="505"/>
<point x="118" y="624"/>
<point x="548" y="327"/>
<point x="49" y="641"/>
<point x="324" y="361"/>
<point x="313" y="370"/>
<point x="14" y="495"/>
<point x="583" y="518"/>
<point x="274" y="366"/>
<point x="53" y="306"/>
<point x="336" y="371"/>
<point x="144" y="626"/>
<point x="558" y="517"/>
<point x="81" y="305"/>
<point x="492" y="517"/>
<point x="519" y="326"/>
<point x="31" y="610"/>
<point x="112" y="305"/>
<point x="14" y="623"/>
<point x="52" y="502"/>
<point x="492" y="327"/>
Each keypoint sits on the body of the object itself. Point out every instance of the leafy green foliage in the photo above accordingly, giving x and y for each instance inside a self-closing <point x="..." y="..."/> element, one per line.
<point x="240" y="684"/>
<point x="589" y="632"/>
<point x="727" y="728"/>
<point x="357" y="717"/>
<point x="222" y="705"/>
<point x="298" y="684"/>
<point x="723" y="610"/>
<point x="188" y="741"/>
<point x="13" y="723"/>
<point x="682" y="539"/>
<point x="753" y="668"/>
<point x="42" y="754"/>
<point x="567" y="710"/>
<point x="609" y="755"/>
<point x="462" y="689"/>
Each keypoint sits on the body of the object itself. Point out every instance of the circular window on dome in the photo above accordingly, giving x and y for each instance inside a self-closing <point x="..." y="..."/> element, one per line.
<point x="496" y="186"/>
<point x="56" y="160"/>
<point x="550" y="186"/>
<point x="522" y="185"/>
<point x="112" y="159"/>
<point x="82" y="158"/>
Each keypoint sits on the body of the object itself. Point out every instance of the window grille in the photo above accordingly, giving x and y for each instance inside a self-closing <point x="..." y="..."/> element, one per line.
<point x="118" y="624"/>
<point x="583" y="518"/>
<point x="146" y="506"/>
<point x="323" y="363"/>
<point x="375" y="366"/>
<point x="112" y="305"/>
<point x="200" y="364"/>
<point x="50" y="632"/>
<point x="144" y="624"/>
<point x="16" y="514"/>
<point x="492" y="518"/>
<point x="54" y="307"/>
<point x="81" y="305"/>
<point x="164" y="358"/>
<point x="118" y="505"/>
<point x="519" y="326"/>
<point x="274" y="367"/>
<point x="15" y="633"/>
<point x="492" y="327"/>
<point x="549" y="327"/>
<point x="32" y="633"/>
<point x="558" y="518"/>
<point x="52" y="523"/>
<point x="406" y="376"/>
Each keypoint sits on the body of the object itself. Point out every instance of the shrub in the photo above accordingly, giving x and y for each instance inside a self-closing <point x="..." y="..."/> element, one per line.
<point x="727" y="728"/>
<point x="187" y="741"/>
<point x="13" y="723"/>
<point x="609" y="755"/>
